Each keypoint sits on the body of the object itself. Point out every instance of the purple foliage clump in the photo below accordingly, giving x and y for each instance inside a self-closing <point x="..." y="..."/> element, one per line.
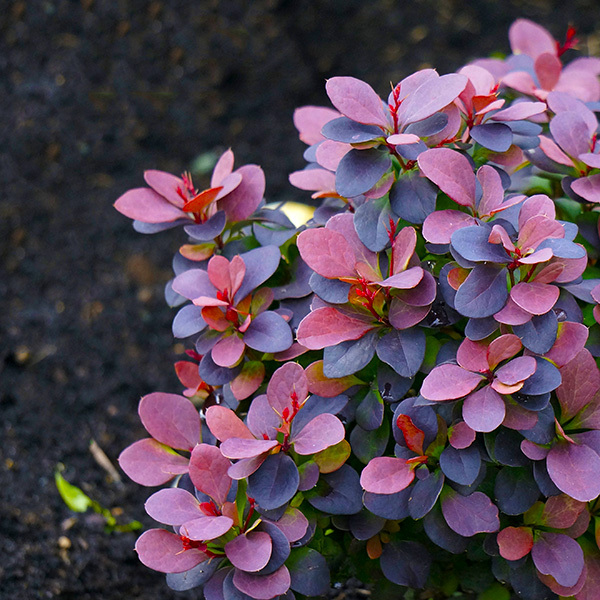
<point x="405" y="388"/>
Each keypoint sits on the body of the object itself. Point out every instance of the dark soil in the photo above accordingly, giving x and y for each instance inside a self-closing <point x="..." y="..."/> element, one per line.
<point x="92" y="92"/>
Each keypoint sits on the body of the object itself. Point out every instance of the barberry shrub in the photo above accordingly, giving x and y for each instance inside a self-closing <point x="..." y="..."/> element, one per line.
<point x="405" y="389"/>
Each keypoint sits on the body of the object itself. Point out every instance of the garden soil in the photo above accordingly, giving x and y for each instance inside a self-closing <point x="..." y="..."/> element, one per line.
<point x="93" y="92"/>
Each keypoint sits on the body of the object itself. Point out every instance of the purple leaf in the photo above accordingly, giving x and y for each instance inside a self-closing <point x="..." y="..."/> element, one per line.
<point x="356" y="100"/>
<point x="461" y="466"/>
<point x="562" y="511"/>
<point x="263" y="587"/>
<point x="469" y="515"/>
<point x="349" y="131"/>
<point x="424" y="494"/>
<point x="208" y="472"/>
<point x="170" y="419"/>
<point x="574" y="469"/>
<point x="173" y="506"/>
<point x="449" y="382"/>
<point x="367" y="445"/>
<point x="372" y="222"/>
<point x="545" y="379"/>
<point x="515" y="490"/>
<point x="403" y="350"/>
<point x="484" y="410"/>
<point x="483" y="292"/>
<point x="213" y="590"/>
<point x="287" y="380"/>
<point x="163" y="551"/>
<point x="208" y="231"/>
<point x="327" y="253"/>
<point x="386" y="475"/>
<point x="364" y="525"/>
<point x="309" y="572"/>
<point x="360" y="170"/>
<point x="388" y="506"/>
<point x="433" y="95"/>
<point x="206" y="528"/>
<point x="194" y="283"/>
<point x="250" y="551"/>
<point x="268" y="332"/>
<point x="151" y="463"/>
<point x="516" y="370"/>
<point x="406" y="563"/>
<point x="570" y="131"/>
<point x="194" y="577"/>
<point x="327" y="326"/>
<point x="451" y="172"/>
<point x="539" y="333"/>
<point x="348" y="357"/>
<point x="275" y="482"/>
<point x="413" y="197"/>
<point x="323" y="431"/>
<point x="493" y="136"/>
<point x="439" y="533"/>
<point x="580" y="383"/>
<point x="344" y="496"/>
<point x="260" y="263"/>
<point x="188" y="321"/>
<point x="245" y="198"/>
<point x="558" y="555"/>
<point x="473" y="244"/>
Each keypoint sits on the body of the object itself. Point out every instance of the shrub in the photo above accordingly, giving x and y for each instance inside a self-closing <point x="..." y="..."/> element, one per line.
<point x="404" y="389"/>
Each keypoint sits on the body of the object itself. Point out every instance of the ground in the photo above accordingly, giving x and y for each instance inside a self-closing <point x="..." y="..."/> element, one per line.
<point x="92" y="93"/>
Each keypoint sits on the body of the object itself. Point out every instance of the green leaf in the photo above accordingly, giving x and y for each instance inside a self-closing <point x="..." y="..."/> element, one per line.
<point x="495" y="592"/>
<point x="72" y="496"/>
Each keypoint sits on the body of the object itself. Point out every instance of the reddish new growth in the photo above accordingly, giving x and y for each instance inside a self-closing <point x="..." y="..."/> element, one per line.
<point x="287" y="416"/>
<point x="189" y="544"/>
<point x="395" y="105"/>
<point x="570" y="41"/>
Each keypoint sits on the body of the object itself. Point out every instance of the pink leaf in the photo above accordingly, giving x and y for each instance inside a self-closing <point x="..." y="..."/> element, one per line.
<point x="460" y="435"/>
<point x="236" y="448"/>
<point x="440" y="225"/>
<point x="536" y="230"/>
<point x="208" y="472"/>
<point x="515" y="542"/>
<point x="150" y="463"/>
<point x="147" y="206"/>
<point x="173" y="506"/>
<point x="570" y="340"/>
<point x="327" y="252"/>
<point x="206" y="528"/>
<point x="536" y="298"/>
<point x="228" y="351"/>
<point x="330" y="153"/>
<point x="570" y="131"/>
<point x="588" y="187"/>
<point x="250" y="551"/>
<point x="511" y="314"/>
<point x="313" y="180"/>
<point x="321" y="432"/>
<point x="519" y="111"/>
<point x="327" y="327"/>
<point x="560" y="512"/>
<point x="309" y="121"/>
<point x="386" y="475"/>
<point x="469" y="515"/>
<point x="293" y="524"/>
<point x="472" y="356"/>
<point x="547" y="68"/>
<point x="222" y="169"/>
<point x="163" y="551"/>
<point x="356" y="100"/>
<point x="262" y="419"/>
<point x="558" y="555"/>
<point x="493" y="192"/>
<point x="484" y="410"/>
<point x="449" y="382"/>
<point x="574" y="469"/>
<point x="249" y="380"/>
<point x="404" y="280"/>
<point x="245" y="198"/>
<point x="404" y="247"/>
<point x="166" y="185"/>
<point x="537" y="205"/>
<point x="263" y="587"/>
<point x="287" y="381"/>
<point x="170" y="419"/>
<point x="527" y="37"/>
<point x="224" y="423"/>
<point x="451" y="172"/>
<point x="551" y="149"/>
